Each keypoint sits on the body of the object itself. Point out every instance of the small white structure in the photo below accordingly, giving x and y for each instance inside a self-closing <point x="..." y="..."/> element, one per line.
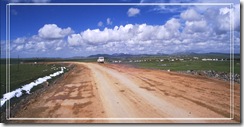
<point x="208" y="59"/>
<point x="196" y="58"/>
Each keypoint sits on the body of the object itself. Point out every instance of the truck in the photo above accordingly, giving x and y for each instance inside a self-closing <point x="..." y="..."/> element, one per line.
<point x="100" y="60"/>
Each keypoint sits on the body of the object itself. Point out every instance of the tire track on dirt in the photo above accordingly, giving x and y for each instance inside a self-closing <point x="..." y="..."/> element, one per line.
<point x="116" y="94"/>
<point x="110" y="96"/>
<point x="187" y="91"/>
<point x="74" y="97"/>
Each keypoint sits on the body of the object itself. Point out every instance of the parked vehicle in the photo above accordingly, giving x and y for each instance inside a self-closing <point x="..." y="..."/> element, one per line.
<point x="100" y="60"/>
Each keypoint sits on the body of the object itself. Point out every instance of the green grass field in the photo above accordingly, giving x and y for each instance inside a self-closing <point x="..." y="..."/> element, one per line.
<point x="219" y="66"/>
<point x="24" y="74"/>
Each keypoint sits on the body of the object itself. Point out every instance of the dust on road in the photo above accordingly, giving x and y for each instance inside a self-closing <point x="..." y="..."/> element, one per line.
<point x="116" y="93"/>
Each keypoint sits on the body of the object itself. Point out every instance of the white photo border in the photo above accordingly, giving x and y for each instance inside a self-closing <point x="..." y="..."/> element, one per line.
<point x="8" y="6"/>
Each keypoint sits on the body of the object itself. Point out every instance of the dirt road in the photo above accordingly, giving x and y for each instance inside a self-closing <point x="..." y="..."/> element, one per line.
<point x="97" y="93"/>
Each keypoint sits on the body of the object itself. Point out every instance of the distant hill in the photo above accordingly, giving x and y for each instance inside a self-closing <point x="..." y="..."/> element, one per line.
<point x="179" y="54"/>
<point x="184" y="54"/>
<point x="77" y="57"/>
<point x="123" y="55"/>
<point x="99" y="55"/>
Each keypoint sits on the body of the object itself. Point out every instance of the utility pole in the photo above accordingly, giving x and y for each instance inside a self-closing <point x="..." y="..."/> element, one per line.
<point x="18" y="62"/>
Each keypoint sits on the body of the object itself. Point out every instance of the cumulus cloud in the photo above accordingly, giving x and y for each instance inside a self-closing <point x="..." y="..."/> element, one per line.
<point x="100" y="23"/>
<point x="75" y="40"/>
<point x="19" y="47"/>
<point x="109" y="21"/>
<point x="52" y="31"/>
<point x="50" y="39"/>
<point x="58" y="48"/>
<point x="236" y="11"/>
<point x="192" y="30"/>
<point x="213" y="18"/>
<point x="20" y="40"/>
<point x="196" y="26"/>
<point x="224" y="18"/>
<point x="130" y="34"/>
<point x="28" y="1"/>
<point x="41" y="1"/>
<point x="223" y="11"/>
<point x="133" y="12"/>
<point x="173" y="24"/>
<point x="36" y="44"/>
<point x="190" y="15"/>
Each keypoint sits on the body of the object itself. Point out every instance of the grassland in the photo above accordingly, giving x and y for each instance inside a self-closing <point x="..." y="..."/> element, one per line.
<point x="196" y="62"/>
<point x="24" y="73"/>
<point x="198" y="65"/>
<point x="21" y="74"/>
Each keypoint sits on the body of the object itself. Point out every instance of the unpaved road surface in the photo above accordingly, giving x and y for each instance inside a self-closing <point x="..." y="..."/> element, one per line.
<point x="107" y="93"/>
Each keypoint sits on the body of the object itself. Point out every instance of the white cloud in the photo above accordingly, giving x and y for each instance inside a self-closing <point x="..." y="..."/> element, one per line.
<point x="41" y="46"/>
<point x="215" y="18"/>
<point x="196" y="26"/>
<point x="109" y="22"/>
<point x="100" y="23"/>
<point x="173" y="24"/>
<point x="36" y="44"/>
<point x="19" y="47"/>
<point x="132" y="34"/>
<point x="236" y="11"/>
<point x="41" y="1"/>
<point x="95" y="36"/>
<point x="75" y="40"/>
<point x="223" y="19"/>
<point x="52" y="31"/>
<point x="91" y="48"/>
<point x="190" y="15"/>
<point x="133" y="12"/>
<point x="58" y="48"/>
<point x="20" y="40"/>
<point x="176" y="35"/>
<point x="28" y="1"/>
<point x="192" y="30"/>
<point x="223" y="11"/>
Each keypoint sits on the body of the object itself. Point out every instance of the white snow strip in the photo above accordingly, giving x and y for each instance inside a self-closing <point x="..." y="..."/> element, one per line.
<point x="27" y="88"/>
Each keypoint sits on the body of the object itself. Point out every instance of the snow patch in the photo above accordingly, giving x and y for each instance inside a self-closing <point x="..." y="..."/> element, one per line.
<point x="27" y="88"/>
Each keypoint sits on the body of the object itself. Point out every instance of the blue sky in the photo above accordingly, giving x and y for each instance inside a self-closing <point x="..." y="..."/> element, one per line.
<point x="66" y="31"/>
